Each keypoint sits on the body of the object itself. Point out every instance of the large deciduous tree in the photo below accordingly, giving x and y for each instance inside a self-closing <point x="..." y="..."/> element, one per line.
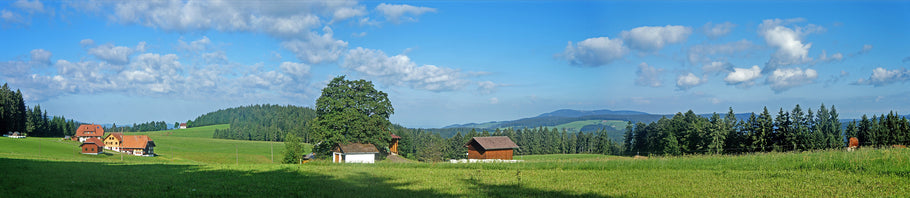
<point x="351" y="111"/>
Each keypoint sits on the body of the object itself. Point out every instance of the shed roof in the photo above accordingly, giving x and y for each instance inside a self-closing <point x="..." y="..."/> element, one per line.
<point x="95" y="141"/>
<point x="136" y="141"/>
<point x="396" y="136"/>
<point x="90" y="130"/>
<point x="493" y="143"/>
<point x="356" y="148"/>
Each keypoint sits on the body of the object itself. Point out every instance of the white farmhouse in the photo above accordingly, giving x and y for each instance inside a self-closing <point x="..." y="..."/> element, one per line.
<point x="354" y="153"/>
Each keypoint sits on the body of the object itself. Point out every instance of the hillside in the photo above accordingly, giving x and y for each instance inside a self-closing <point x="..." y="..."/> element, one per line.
<point x="258" y="122"/>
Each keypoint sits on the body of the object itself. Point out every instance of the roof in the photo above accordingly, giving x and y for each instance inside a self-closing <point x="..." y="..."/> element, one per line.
<point x="95" y="141"/>
<point x="90" y="130"/>
<point x="183" y="124"/>
<point x="136" y="141"/>
<point x="356" y="148"/>
<point x="119" y="136"/>
<point x="493" y="143"/>
<point x="396" y="136"/>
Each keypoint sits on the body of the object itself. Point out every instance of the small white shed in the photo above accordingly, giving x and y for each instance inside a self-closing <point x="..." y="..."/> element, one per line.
<point x="354" y="153"/>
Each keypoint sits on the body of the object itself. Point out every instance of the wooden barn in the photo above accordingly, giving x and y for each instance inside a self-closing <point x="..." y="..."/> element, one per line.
<point x="393" y="146"/>
<point x="92" y="146"/>
<point x="87" y="131"/>
<point x="354" y="153"/>
<point x="497" y="147"/>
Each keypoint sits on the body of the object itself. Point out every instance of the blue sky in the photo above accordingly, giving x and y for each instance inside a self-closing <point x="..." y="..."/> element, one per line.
<point x="451" y="62"/>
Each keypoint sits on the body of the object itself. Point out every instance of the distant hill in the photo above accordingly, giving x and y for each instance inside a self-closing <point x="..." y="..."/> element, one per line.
<point x="578" y="113"/>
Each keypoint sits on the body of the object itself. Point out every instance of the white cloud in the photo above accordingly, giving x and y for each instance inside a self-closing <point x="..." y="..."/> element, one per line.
<point x="706" y="53"/>
<point x="687" y="81"/>
<point x="194" y="46"/>
<point x="648" y="76"/>
<point x="788" y="41"/>
<point x="41" y="56"/>
<point x="743" y="77"/>
<point x="394" y="13"/>
<point x="316" y="48"/>
<point x="87" y="42"/>
<point x="399" y="70"/>
<point x="653" y="38"/>
<point x="348" y="12"/>
<point x="881" y="77"/>
<point x="836" y="57"/>
<point x="784" y="79"/>
<point x="718" y="30"/>
<point x="594" y="51"/>
<point x="486" y="87"/>
<point x="117" y="55"/>
<point x="494" y="100"/>
<point x="717" y="67"/>
<point x="11" y="17"/>
<point x="866" y="48"/>
<point x="30" y="6"/>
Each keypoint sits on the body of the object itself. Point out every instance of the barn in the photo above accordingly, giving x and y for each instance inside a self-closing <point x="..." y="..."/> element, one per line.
<point x="496" y="147"/>
<point x="354" y="153"/>
<point x="393" y="146"/>
<point x="92" y="146"/>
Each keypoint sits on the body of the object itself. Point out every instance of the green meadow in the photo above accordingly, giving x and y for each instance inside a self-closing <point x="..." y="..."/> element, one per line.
<point x="192" y="164"/>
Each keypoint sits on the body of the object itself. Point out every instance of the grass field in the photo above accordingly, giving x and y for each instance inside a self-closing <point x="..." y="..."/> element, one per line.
<point x="864" y="173"/>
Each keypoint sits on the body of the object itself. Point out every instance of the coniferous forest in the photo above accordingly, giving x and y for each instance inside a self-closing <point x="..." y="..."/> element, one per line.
<point x="259" y="122"/>
<point x="15" y="116"/>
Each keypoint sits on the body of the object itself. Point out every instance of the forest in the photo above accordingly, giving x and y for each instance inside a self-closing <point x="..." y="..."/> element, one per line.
<point x="143" y="127"/>
<point x="795" y="130"/>
<point x="15" y="116"/>
<point x="259" y="122"/>
<point x="426" y="145"/>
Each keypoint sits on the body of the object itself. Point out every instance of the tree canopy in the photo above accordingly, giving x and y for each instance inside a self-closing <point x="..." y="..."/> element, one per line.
<point x="351" y="111"/>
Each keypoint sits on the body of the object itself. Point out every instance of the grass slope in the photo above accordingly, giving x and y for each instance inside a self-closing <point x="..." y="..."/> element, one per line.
<point x="865" y="173"/>
<point x="197" y="145"/>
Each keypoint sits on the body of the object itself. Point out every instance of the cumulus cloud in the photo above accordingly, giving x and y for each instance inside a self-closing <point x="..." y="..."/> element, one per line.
<point x="30" y="6"/>
<point x="316" y="48"/>
<point x="118" y="55"/>
<point x="717" y="67"/>
<point x="788" y="41"/>
<point x="486" y="87"/>
<point x="653" y="38"/>
<point x="687" y="81"/>
<point x="394" y="13"/>
<point x="783" y="79"/>
<point x="881" y="77"/>
<point x="706" y="53"/>
<point x="41" y="56"/>
<point x="836" y="57"/>
<point x="648" y="75"/>
<point x="10" y="17"/>
<point x="743" y="77"/>
<point x="714" y="31"/>
<point x="87" y="42"/>
<point x="594" y="51"/>
<point x="399" y="70"/>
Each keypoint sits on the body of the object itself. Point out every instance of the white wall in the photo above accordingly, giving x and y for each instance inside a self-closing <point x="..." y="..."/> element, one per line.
<point x="359" y="158"/>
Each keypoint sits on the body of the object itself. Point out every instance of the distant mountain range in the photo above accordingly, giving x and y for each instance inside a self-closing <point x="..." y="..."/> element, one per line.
<point x="564" y="116"/>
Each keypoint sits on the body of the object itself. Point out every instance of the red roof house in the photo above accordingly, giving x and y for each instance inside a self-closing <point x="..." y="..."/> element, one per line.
<point x="141" y="145"/>
<point x="87" y="131"/>
<point x="92" y="146"/>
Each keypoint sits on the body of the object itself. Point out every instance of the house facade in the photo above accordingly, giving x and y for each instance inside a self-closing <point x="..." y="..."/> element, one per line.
<point x="112" y="141"/>
<point x="87" y="131"/>
<point x="92" y="146"/>
<point x="182" y="126"/>
<point x="497" y="147"/>
<point x="354" y="153"/>
<point x="139" y="145"/>
<point x="393" y="146"/>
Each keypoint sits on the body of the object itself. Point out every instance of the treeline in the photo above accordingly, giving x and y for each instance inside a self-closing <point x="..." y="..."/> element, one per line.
<point x="260" y="122"/>
<point x="15" y="116"/>
<point x="428" y="146"/>
<point x="794" y="130"/>
<point x="143" y="127"/>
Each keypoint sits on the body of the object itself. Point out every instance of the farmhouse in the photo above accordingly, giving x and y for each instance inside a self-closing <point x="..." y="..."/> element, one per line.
<point x="497" y="147"/>
<point x="354" y="153"/>
<point x="393" y="146"/>
<point x="139" y="145"/>
<point x="182" y="126"/>
<point x="92" y="146"/>
<point x="112" y="141"/>
<point x="87" y="131"/>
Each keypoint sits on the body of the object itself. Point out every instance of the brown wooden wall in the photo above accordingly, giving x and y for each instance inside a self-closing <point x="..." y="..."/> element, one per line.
<point x="90" y="148"/>
<point x="503" y="154"/>
<point x="394" y="146"/>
